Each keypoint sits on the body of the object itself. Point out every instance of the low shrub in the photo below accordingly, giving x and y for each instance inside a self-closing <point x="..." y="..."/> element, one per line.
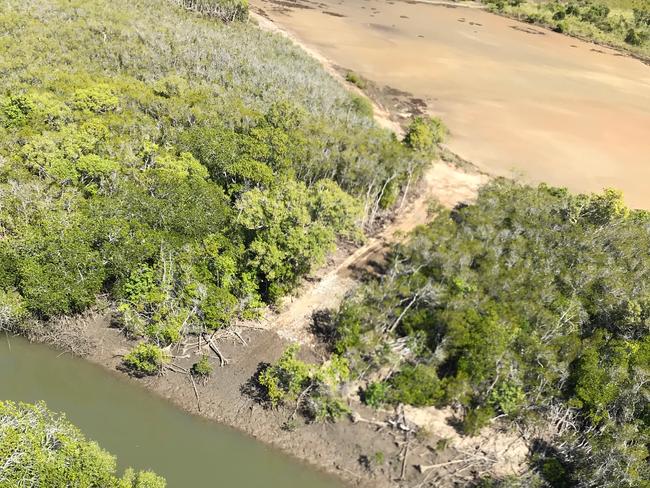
<point x="476" y="419"/>
<point x="202" y="368"/>
<point x="355" y="79"/>
<point x="375" y="394"/>
<point x="424" y="133"/>
<point x="312" y="388"/>
<point x="362" y="106"/>
<point x="145" y="360"/>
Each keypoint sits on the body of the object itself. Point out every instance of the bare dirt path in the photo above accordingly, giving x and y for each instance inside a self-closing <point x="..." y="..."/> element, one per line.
<point x="444" y="183"/>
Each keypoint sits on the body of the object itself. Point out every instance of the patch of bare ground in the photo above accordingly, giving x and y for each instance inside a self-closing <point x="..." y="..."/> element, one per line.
<point x="442" y="182"/>
<point x="408" y="447"/>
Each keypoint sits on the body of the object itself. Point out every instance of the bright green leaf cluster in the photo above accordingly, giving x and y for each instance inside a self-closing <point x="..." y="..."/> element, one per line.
<point x="313" y="387"/>
<point x="145" y="360"/>
<point x="40" y="448"/>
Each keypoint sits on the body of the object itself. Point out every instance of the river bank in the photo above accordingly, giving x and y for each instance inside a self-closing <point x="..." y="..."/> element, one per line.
<point x="364" y="453"/>
<point x="345" y="449"/>
<point x="143" y="430"/>
<point x="622" y="48"/>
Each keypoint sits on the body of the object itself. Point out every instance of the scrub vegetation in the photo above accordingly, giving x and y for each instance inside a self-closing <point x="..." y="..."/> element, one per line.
<point x="190" y="170"/>
<point x="619" y="23"/>
<point x="312" y="388"/>
<point x="41" y="448"/>
<point x="530" y="305"/>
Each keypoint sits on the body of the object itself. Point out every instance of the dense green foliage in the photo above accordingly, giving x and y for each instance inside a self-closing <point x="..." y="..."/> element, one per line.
<point x="202" y="368"/>
<point x="40" y="448"/>
<point x="312" y="388"/>
<point x="145" y="360"/>
<point x="355" y="79"/>
<point x="619" y="23"/>
<point x="532" y="303"/>
<point x="189" y="169"/>
<point x="424" y="133"/>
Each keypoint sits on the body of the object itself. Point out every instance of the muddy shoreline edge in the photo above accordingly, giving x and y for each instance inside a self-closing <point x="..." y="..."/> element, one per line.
<point x="336" y="449"/>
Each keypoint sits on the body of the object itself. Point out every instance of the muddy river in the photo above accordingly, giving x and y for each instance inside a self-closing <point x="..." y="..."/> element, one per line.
<point x="143" y="430"/>
<point x="519" y="100"/>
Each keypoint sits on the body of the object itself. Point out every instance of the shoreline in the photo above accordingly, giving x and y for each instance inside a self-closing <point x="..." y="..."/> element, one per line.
<point x="520" y="101"/>
<point x="343" y="449"/>
<point x="621" y="50"/>
<point x="476" y="4"/>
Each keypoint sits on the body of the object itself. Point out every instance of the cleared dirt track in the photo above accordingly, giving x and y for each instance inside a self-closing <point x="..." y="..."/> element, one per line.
<point x="443" y="183"/>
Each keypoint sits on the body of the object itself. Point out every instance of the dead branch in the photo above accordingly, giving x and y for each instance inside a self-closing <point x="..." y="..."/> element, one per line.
<point x="355" y="417"/>
<point x="257" y="327"/>
<point x="222" y="359"/>
<point x="196" y="392"/>
<point x="300" y="399"/>
<point x="401" y="316"/>
<point x="176" y="368"/>
<point x="406" y="453"/>
<point x="423" y="468"/>
<point x="239" y="337"/>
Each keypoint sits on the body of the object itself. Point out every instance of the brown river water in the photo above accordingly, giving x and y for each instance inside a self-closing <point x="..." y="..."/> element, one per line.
<point x="143" y="430"/>
<point x="519" y="100"/>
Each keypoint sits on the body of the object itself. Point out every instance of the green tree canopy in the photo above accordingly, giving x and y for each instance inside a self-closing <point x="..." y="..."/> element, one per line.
<point x="41" y="448"/>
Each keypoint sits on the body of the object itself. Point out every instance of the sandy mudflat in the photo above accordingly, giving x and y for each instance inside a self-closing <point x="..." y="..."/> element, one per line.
<point x="517" y="98"/>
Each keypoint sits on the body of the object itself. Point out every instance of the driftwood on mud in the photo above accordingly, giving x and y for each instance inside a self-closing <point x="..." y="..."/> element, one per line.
<point x="184" y="371"/>
<point x="404" y="457"/>
<point x="66" y="333"/>
<point x="222" y="359"/>
<point x="355" y="417"/>
<point x="238" y="335"/>
<point x="196" y="391"/>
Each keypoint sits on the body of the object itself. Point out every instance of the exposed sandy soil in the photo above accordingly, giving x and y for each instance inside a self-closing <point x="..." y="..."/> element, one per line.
<point x="442" y="182"/>
<point x="517" y="98"/>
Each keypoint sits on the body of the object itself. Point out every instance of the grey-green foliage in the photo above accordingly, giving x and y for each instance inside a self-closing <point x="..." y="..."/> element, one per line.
<point x="225" y="10"/>
<point x="41" y="448"/>
<point x="532" y="303"/>
<point x="189" y="169"/>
